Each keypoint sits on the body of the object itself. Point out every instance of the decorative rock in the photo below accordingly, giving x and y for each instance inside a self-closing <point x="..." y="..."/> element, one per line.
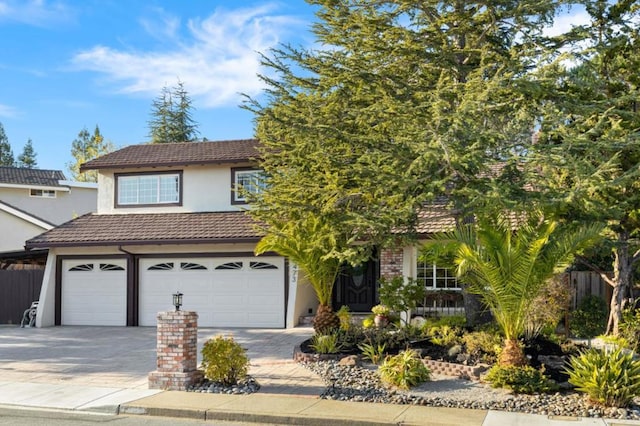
<point x="350" y="361"/>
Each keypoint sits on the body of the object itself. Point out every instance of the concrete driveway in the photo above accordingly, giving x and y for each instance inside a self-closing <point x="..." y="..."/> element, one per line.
<point x="122" y="357"/>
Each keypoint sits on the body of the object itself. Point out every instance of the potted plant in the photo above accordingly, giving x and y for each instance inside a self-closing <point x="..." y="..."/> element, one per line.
<point x="381" y="313"/>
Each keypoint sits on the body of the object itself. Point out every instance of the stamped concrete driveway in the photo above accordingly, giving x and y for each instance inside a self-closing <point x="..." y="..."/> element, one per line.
<point x="123" y="356"/>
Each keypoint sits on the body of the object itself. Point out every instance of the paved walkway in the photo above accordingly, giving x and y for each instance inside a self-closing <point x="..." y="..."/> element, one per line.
<point x="104" y="369"/>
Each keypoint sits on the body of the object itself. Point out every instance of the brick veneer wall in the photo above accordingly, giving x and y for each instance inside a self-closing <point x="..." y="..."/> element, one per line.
<point x="391" y="262"/>
<point x="177" y="351"/>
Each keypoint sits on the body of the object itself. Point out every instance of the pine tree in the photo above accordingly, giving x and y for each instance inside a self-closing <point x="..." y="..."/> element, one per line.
<point x="28" y="157"/>
<point x="84" y="148"/>
<point x="409" y="101"/>
<point x="6" y="153"/>
<point x="171" y="116"/>
<point x="589" y="147"/>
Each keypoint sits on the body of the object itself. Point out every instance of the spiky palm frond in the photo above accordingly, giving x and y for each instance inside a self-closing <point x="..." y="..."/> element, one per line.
<point x="309" y="243"/>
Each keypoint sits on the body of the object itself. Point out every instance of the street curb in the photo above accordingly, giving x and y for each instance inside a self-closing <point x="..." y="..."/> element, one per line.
<point x="235" y="416"/>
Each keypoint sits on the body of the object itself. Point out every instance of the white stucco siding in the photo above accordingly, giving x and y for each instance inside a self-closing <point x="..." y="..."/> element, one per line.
<point x="204" y="188"/>
<point x="15" y="231"/>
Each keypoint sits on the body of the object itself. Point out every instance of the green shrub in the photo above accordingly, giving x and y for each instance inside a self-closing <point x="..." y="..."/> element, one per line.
<point x="549" y="306"/>
<point x="590" y="319"/>
<point x="326" y="343"/>
<point x="345" y="317"/>
<point x="629" y="328"/>
<point x="224" y="360"/>
<point x="445" y="335"/>
<point x="520" y="379"/>
<point x="401" y="294"/>
<point x="404" y="370"/>
<point x="373" y="353"/>
<point x="483" y="345"/>
<point x="458" y="321"/>
<point x="611" y="378"/>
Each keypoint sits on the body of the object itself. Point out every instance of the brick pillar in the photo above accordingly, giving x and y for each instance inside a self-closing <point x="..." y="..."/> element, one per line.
<point x="177" y="351"/>
<point x="391" y="262"/>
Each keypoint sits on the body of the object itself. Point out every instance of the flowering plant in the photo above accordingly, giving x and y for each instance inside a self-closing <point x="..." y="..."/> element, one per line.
<point x="380" y="310"/>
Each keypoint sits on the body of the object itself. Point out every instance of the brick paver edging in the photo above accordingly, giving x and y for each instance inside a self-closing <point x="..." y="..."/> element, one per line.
<point x="436" y="367"/>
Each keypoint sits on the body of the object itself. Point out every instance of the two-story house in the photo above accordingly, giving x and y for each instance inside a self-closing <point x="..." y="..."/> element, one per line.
<point x="168" y="219"/>
<point x="33" y="201"/>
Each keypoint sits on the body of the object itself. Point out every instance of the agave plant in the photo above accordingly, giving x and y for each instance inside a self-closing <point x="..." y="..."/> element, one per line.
<point x="507" y="262"/>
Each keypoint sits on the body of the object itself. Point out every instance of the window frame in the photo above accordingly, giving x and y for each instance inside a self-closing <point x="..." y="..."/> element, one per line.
<point x="116" y="192"/>
<point x="236" y="199"/>
<point x="42" y="193"/>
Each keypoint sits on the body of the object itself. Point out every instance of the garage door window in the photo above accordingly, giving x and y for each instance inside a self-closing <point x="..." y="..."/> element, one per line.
<point x="167" y="266"/>
<point x="262" y="265"/>
<point x="85" y="267"/>
<point x="188" y="266"/>
<point x="110" y="267"/>
<point x="230" y="266"/>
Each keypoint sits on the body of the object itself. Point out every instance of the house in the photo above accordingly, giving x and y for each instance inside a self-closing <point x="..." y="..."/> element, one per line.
<point x="168" y="219"/>
<point x="33" y="201"/>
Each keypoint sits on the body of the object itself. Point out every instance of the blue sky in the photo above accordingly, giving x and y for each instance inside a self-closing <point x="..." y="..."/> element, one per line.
<point x="69" y="64"/>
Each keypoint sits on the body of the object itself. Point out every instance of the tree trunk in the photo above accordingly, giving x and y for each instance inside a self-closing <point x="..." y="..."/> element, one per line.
<point x="622" y="270"/>
<point x="475" y="312"/>
<point x="512" y="354"/>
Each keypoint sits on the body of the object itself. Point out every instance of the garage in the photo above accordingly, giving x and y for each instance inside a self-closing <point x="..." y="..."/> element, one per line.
<point x="224" y="291"/>
<point x="94" y="292"/>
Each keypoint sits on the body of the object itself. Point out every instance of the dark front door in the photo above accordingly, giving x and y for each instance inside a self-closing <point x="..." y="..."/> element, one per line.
<point x="356" y="287"/>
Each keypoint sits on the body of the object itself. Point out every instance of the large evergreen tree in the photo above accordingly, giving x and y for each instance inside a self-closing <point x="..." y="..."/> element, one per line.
<point x="171" y="116"/>
<point x="6" y="153"/>
<point x="589" y="144"/>
<point x="28" y="157"/>
<point x="86" y="147"/>
<point x="405" y="102"/>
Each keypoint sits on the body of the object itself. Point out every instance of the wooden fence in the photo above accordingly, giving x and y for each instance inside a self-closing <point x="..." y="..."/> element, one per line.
<point x="18" y="288"/>
<point x="587" y="283"/>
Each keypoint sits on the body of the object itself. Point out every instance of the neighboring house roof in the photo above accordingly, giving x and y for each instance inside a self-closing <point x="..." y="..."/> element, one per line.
<point x="31" y="218"/>
<point x="173" y="154"/>
<point x="150" y="228"/>
<point x="30" y="177"/>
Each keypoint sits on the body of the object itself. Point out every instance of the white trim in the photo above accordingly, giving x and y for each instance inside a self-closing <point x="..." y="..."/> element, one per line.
<point x="74" y="184"/>
<point x="47" y="187"/>
<point x="25" y="216"/>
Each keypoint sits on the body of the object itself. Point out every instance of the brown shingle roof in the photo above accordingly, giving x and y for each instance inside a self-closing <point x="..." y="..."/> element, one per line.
<point x="32" y="177"/>
<point x="177" y="154"/>
<point x="438" y="216"/>
<point x="150" y="228"/>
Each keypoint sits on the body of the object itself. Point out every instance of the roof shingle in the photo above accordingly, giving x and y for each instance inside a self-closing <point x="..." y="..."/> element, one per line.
<point x="172" y="154"/>
<point x="32" y="177"/>
<point x="150" y="228"/>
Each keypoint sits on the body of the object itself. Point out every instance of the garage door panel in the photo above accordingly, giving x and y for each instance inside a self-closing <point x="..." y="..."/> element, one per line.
<point x="230" y="292"/>
<point x="94" y="292"/>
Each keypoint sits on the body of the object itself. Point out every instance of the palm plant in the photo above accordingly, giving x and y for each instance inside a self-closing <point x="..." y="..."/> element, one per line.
<point x="508" y="265"/>
<point x="310" y="243"/>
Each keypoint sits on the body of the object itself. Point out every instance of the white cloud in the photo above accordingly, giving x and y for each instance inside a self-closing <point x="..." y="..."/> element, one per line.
<point x="567" y="20"/>
<point x="216" y="58"/>
<point x="7" y="111"/>
<point x="42" y="13"/>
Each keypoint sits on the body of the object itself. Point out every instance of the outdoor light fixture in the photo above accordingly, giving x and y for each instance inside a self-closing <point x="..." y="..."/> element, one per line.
<point x="177" y="300"/>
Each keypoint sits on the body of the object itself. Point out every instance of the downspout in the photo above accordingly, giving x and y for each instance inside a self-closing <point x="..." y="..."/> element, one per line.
<point x="132" y="287"/>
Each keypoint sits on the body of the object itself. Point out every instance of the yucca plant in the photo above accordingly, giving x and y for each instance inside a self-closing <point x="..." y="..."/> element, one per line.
<point x="373" y="353"/>
<point x="326" y="343"/>
<point x="611" y="378"/>
<point x="507" y="261"/>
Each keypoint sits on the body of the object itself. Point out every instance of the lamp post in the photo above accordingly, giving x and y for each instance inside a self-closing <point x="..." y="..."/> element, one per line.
<point x="177" y="300"/>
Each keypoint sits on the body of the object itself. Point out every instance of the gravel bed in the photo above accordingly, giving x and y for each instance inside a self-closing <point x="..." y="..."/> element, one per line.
<point x="354" y="383"/>
<point x="244" y="387"/>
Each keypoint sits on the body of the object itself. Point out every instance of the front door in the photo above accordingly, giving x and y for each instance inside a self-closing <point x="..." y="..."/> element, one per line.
<point x="356" y="287"/>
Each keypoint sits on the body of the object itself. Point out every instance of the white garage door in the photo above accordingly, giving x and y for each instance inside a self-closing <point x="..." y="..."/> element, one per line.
<point x="94" y="292"/>
<point x="226" y="292"/>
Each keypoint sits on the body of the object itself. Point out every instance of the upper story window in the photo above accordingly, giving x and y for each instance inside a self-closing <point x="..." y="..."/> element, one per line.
<point x="148" y="189"/>
<point x="44" y="193"/>
<point x="245" y="180"/>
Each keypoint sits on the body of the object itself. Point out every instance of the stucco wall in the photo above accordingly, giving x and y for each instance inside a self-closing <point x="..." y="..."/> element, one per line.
<point x="204" y="188"/>
<point x="15" y="231"/>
